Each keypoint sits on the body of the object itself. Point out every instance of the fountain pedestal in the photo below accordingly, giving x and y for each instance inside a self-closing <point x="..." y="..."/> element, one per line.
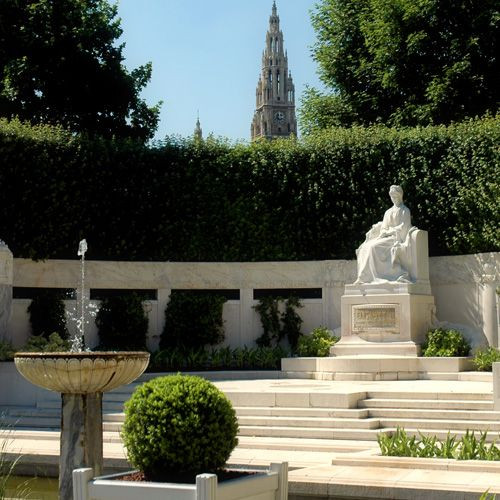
<point x="81" y="378"/>
<point x="81" y="436"/>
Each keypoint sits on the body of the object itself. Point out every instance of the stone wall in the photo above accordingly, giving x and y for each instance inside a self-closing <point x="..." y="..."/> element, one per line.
<point x="463" y="286"/>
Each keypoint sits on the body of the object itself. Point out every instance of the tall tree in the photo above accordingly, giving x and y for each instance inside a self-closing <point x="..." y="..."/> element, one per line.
<point x="403" y="62"/>
<point x="60" y="63"/>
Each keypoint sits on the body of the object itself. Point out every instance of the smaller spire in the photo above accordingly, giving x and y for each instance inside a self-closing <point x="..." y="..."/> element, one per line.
<point x="198" y="133"/>
<point x="274" y="19"/>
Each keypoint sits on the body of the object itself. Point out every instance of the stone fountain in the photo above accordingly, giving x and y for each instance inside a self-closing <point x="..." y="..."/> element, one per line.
<point x="81" y="377"/>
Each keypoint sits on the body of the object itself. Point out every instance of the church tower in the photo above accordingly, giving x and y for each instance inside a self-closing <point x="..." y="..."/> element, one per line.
<point x="275" y="95"/>
<point x="198" y="133"/>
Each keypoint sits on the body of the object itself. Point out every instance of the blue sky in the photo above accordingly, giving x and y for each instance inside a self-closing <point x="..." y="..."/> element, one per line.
<point x="206" y="56"/>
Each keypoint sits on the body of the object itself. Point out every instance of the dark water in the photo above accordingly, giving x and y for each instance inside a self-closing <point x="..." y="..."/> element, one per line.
<point x="32" y="488"/>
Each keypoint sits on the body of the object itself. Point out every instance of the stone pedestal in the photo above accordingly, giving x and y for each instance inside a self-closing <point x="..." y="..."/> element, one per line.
<point x="6" y="276"/>
<point x="384" y="319"/>
<point x="389" y="318"/>
<point x="81" y="437"/>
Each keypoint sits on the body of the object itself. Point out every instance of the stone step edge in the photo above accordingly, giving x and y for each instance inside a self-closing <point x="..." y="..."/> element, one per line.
<point x="298" y="408"/>
<point x="313" y="429"/>
<point x="397" y="401"/>
<point x="281" y="418"/>
<point x="433" y="421"/>
<point x="440" y="414"/>
<point x="48" y="434"/>
<point x="431" y="396"/>
<point x="304" y="444"/>
<point x="420" y="463"/>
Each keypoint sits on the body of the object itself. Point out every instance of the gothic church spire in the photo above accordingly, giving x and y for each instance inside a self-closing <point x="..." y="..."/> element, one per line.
<point x="275" y="95"/>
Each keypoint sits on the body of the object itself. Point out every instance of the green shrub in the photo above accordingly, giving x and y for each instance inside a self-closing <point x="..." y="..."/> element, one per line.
<point x="178" y="424"/>
<point x="268" y="200"/>
<point x="38" y="343"/>
<point x="268" y="310"/>
<point x="278" y="326"/>
<point x="399" y="444"/>
<point x="47" y="314"/>
<point x="122" y="323"/>
<point x="292" y="322"/>
<point x="223" y="358"/>
<point x="317" y="343"/>
<point x="6" y="351"/>
<point x="445" y="343"/>
<point x="193" y="320"/>
<point x="484" y="358"/>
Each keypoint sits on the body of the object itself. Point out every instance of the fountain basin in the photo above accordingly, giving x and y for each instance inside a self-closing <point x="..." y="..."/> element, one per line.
<point x="81" y="372"/>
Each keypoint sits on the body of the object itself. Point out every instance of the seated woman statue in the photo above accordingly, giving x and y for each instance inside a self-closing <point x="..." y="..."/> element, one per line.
<point x="382" y="255"/>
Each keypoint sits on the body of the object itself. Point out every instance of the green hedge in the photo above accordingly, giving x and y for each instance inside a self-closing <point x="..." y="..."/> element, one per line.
<point x="193" y="320"/>
<point x="184" y="200"/>
<point x="122" y="324"/>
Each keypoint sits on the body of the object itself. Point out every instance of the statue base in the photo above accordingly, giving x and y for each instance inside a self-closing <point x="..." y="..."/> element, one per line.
<point x="385" y="318"/>
<point x="353" y="345"/>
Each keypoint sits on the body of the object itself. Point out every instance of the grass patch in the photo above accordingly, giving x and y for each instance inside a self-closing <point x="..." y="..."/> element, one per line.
<point x="469" y="447"/>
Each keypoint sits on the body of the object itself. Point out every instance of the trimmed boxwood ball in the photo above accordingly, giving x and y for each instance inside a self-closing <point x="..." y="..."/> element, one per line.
<point x="178" y="426"/>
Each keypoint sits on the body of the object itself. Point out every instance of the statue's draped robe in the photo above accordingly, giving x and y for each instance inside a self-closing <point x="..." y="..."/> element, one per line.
<point x="382" y="254"/>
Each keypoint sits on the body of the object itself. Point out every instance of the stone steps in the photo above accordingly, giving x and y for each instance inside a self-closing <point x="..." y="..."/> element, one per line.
<point x="443" y="404"/>
<point x="47" y="418"/>
<point x="440" y="396"/>
<point x="352" y="434"/>
<point x="107" y="406"/>
<point x="303" y="444"/>
<point x="295" y="418"/>
<point x="417" y="413"/>
<point x="308" y="432"/>
<point x="304" y="422"/>
<point x="301" y="412"/>
<point x="37" y="421"/>
<point x="23" y="411"/>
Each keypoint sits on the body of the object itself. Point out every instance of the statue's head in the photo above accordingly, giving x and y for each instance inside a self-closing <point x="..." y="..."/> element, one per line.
<point x="396" y="194"/>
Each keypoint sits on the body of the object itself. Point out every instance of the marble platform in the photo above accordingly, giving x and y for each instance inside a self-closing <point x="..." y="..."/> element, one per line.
<point x="344" y="465"/>
<point x="377" y="366"/>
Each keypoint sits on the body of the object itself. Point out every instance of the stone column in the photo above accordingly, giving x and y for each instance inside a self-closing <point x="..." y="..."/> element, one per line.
<point x="6" y="279"/>
<point x="246" y="334"/>
<point x="496" y="386"/>
<point x="81" y="438"/>
<point x="489" y="304"/>
<point x="163" y="297"/>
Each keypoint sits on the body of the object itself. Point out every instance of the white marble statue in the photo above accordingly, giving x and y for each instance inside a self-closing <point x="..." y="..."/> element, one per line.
<point x="383" y="256"/>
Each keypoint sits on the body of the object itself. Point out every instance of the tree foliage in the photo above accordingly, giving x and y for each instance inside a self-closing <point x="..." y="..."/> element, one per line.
<point x="403" y="62"/>
<point x="60" y="63"/>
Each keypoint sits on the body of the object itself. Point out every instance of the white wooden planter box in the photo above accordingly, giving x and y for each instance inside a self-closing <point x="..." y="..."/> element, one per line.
<point x="269" y="485"/>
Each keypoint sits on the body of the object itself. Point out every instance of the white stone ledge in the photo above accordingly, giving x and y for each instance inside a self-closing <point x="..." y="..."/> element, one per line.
<point x="420" y="463"/>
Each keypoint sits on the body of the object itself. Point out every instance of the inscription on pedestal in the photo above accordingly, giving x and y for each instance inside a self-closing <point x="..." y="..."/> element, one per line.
<point x="375" y="318"/>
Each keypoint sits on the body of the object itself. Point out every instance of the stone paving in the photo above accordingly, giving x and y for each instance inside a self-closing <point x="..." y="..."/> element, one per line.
<point x="320" y="468"/>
